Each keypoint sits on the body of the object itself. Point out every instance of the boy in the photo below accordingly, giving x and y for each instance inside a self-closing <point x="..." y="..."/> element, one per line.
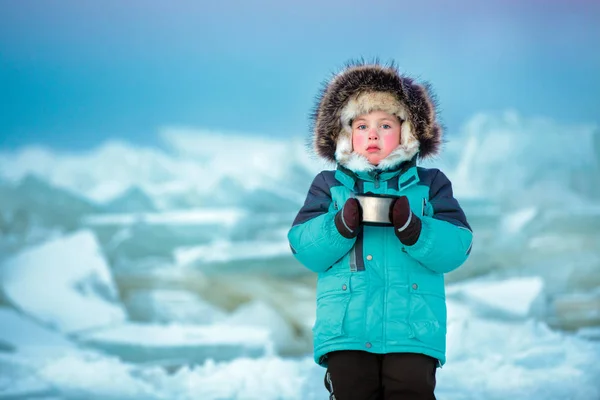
<point x="381" y="313"/>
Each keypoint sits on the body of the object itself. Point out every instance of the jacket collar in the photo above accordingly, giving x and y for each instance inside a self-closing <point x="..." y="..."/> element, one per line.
<point x="406" y="172"/>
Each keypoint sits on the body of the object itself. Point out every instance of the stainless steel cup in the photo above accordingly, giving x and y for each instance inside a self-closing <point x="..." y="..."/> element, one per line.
<point x="375" y="208"/>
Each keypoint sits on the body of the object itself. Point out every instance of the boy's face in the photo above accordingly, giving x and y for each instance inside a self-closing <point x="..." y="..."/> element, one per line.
<point x="375" y="135"/>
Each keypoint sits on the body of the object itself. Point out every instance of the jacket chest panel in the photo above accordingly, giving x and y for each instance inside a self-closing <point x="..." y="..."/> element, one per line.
<point x="418" y="196"/>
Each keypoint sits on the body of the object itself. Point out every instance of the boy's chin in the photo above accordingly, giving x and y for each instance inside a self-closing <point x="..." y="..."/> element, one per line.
<point x="374" y="160"/>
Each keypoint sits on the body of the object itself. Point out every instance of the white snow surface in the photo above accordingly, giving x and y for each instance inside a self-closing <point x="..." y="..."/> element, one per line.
<point x="177" y="334"/>
<point x="501" y="360"/>
<point x="205" y="216"/>
<point x="496" y="347"/>
<point x="167" y="306"/>
<point x="193" y="161"/>
<point x="488" y="357"/>
<point x="179" y="344"/>
<point x="23" y="334"/>
<point x="515" y="222"/>
<point x="259" y="314"/>
<point x="94" y="377"/>
<point x="506" y="156"/>
<point x="225" y="251"/>
<point x="18" y="378"/>
<point x="513" y="297"/>
<point x="64" y="283"/>
<point x="486" y="360"/>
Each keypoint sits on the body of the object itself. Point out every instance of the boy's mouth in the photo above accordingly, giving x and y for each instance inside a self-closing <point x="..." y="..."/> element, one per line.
<point x="372" y="149"/>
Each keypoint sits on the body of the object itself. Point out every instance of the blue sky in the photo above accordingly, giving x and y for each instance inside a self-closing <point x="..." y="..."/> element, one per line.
<point x="76" y="73"/>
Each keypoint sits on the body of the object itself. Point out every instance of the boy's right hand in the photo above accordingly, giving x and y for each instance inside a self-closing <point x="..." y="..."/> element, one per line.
<point x="347" y="220"/>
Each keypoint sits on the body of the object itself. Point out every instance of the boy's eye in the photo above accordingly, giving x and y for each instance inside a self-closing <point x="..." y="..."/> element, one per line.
<point x="361" y="126"/>
<point x="386" y="126"/>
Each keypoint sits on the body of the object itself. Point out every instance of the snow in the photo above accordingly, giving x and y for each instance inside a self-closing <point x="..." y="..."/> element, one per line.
<point x="589" y="332"/>
<point x="23" y="334"/>
<point x="512" y="297"/>
<point x="191" y="169"/>
<point x="268" y="378"/>
<point x="94" y="377"/>
<point x="192" y="166"/>
<point x="294" y="301"/>
<point x="175" y="334"/>
<point x="176" y="344"/>
<point x="259" y="153"/>
<point x="225" y="251"/>
<point x="99" y="175"/>
<point x="501" y="157"/>
<point x="491" y="360"/>
<point x="578" y="309"/>
<point x="64" y="283"/>
<point x="18" y="379"/>
<point x="259" y="314"/>
<point x="516" y="221"/>
<point x="500" y="360"/>
<point x="204" y="216"/>
<point x="489" y="356"/>
<point x="166" y="306"/>
<point x="197" y="237"/>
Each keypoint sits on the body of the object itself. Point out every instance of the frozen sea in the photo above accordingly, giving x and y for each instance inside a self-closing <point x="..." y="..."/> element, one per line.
<point x="165" y="273"/>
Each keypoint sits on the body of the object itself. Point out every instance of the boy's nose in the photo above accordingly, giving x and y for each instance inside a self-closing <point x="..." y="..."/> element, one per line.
<point x="373" y="133"/>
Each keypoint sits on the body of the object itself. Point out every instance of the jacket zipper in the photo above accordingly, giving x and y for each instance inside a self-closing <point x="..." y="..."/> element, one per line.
<point x="376" y="177"/>
<point x="385" y="293"/>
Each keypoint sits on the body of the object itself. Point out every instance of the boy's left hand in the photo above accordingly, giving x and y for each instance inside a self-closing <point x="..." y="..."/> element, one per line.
<point x="407" y="226"/>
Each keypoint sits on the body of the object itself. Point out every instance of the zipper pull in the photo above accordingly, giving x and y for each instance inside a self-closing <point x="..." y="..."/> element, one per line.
<point x="377" y="181"/>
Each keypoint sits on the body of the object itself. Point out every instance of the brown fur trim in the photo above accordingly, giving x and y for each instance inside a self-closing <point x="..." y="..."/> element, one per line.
<point x="360" y="87"/>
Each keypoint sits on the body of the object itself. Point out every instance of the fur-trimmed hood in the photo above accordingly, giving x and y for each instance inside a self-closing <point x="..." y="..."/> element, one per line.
<point x="361" y="88"/>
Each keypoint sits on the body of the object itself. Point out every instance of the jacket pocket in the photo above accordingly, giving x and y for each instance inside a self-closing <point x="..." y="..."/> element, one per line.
<point x="333" y="296"/>
<point x="427" y="317"/>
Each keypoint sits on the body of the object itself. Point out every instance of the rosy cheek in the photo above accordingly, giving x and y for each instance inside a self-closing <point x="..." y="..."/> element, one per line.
<point x="390" y="142"/>
<point x="358" y="140"/>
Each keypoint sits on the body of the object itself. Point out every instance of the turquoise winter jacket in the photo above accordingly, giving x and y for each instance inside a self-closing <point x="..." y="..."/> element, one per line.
<point x="374" y="293"/>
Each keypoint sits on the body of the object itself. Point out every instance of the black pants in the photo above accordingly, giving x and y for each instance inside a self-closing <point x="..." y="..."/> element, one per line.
<point x="358" y="375"/>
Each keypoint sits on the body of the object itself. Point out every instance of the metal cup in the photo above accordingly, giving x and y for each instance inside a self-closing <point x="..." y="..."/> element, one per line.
<point x="375" y="208"/>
